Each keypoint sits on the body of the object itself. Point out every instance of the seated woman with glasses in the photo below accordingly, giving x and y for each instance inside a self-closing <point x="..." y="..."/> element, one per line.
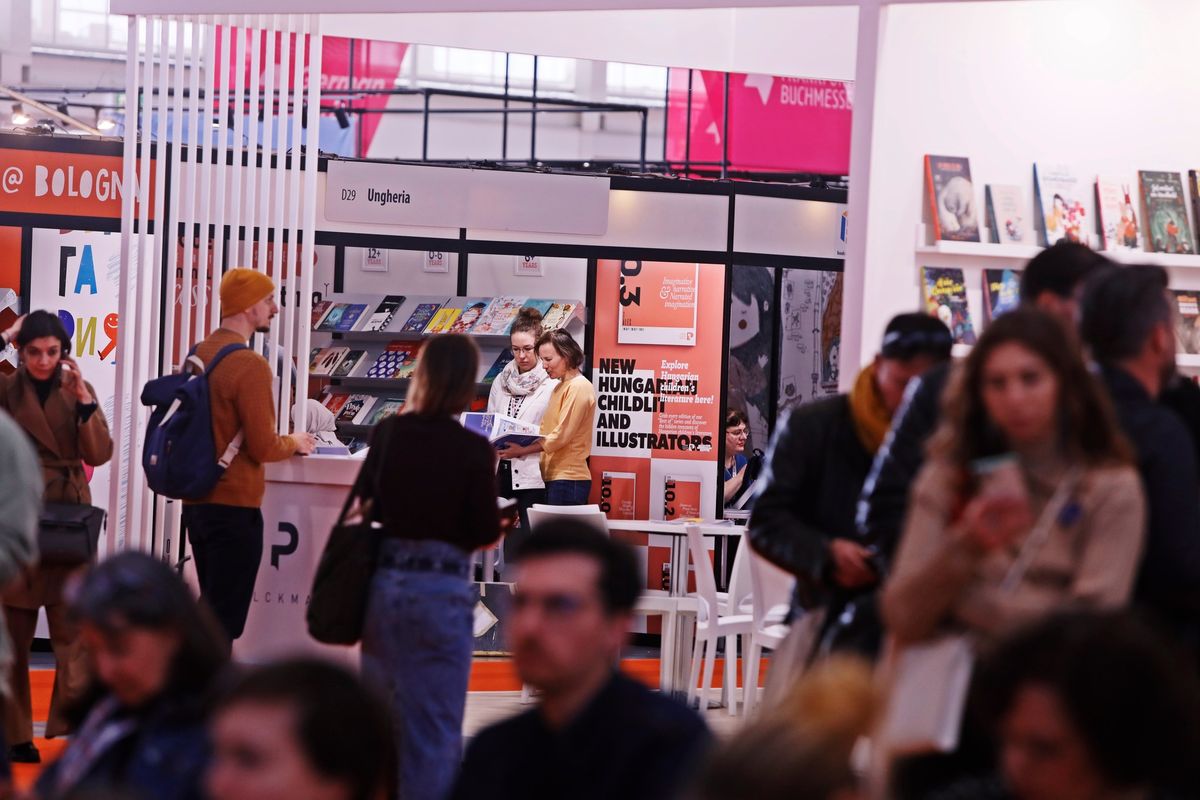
<point x="522" y="390"/>
<point x="738" y="480"/>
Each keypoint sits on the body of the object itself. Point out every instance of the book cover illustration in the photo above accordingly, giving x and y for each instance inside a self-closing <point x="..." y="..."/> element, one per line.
<point x="384" y="409"/>
<point x="409" y="353"/>
<point x="1007" y="217"/>
<point x="1187" y="323"/>
<point x="421" y="317"/>
<point x="389" y="362"/>
<point x="319" y="311"/>
<point x="334" y="316"/>
<point x="1164" y="212"/>
<point x="557" y="316"/>
<point x="350" y="316"/>
<point x="382" y="316"/>
<point x="335" y="401"/>
<point x="946" y="298"/>
<point x="352" y="407"/>
<point x="541" y="306"/>
<point x="327" y="360"/>
<point x="1001" y="292"/>
<point x="364" y="413"/>
<point x="1062" y="204"/>
<point x="951" y="198"/>
<point x="345" y="367"/>
<point x="497" y="366"/>
<point x="443" y="320"/>
<point x="659" y="302"/>
<point x="1194" y="183"/>
<point x="473" y="308"/>
<point x="499" y="316"/>
<point x="1118" y="215"/>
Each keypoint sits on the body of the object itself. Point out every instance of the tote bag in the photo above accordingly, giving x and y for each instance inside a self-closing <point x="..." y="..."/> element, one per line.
<point x="930" y="679"/>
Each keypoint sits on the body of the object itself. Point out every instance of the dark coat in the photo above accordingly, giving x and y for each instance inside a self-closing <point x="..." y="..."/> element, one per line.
<point x="813" y="475"/>
<point x="63" y="445"/>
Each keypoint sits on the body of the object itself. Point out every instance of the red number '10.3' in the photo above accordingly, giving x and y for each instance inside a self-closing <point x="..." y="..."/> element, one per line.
<point x="630" y="269"/>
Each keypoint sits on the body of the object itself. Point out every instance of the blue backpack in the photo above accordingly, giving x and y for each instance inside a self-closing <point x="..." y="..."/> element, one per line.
<point x="180" y="457"/>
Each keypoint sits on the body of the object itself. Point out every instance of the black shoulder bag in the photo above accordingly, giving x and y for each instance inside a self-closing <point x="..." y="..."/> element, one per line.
<point x="69" y="533"/>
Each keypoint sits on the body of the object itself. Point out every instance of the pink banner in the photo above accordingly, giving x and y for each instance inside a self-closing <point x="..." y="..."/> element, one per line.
<point x="775" y="124"/>
<point x="374" y="66"/>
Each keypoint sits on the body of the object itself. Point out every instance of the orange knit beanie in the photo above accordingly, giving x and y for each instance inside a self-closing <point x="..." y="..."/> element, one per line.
<point x="242" y="288"/>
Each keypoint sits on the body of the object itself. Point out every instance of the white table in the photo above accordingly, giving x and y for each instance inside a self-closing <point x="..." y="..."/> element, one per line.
<point x="677" y="678"/>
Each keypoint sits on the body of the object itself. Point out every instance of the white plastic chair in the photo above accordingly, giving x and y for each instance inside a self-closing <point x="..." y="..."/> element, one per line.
<point x="652" y="603"/>
<point x="771" y="593"/>
<point x="711" y="627"/>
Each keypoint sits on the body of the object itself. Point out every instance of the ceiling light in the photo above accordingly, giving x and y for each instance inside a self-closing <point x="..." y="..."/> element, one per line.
<point x="106" y="124"/>
<point x="19" y="117"/>
<point x="343" y="119"/>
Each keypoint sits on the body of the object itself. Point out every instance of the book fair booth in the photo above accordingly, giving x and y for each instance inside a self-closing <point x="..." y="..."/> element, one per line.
<point x="687" y="296"/>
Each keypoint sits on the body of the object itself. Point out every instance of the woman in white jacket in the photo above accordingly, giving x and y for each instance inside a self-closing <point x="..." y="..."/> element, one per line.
<point x="522" y="390"/>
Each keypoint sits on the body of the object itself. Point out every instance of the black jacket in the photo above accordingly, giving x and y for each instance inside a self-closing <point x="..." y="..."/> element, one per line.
<point x="810" y="486"/>
<point x="1169" y="580"/>
<point x="884" y="502"/>
<point x="628" y="743"/>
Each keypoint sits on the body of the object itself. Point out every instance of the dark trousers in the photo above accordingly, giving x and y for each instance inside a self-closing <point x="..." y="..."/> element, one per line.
<point x="525" y="498"/>
<point x="227" y="543"/>
<point x="567" y="493"/>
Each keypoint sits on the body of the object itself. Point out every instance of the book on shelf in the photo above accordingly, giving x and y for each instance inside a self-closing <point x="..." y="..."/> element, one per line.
<point x="354" y="407"/>
<point x="350" y="317"/>
<point x="472" y="310"/>
<point x="945" y="296"/>
<point x="1118" y="214"/>
<point x="319" y="311"/>
<point x="497" y="366"/>
<point x="952" y="198"/>
<point x="1063" y="204"/>
<point x="1187" y="323"/>
<point x="443" y="320"/>
<point x="381" y="317"/>
<point x="383" y="409"/>
<point x="1194" y="186"/>
<point x="1164" y="213"/>
<point x="348" y="364"/>
<point x="335" y="401"/>
<point x="332" y="318"/>
<point x="498" y="318"/>
<point x="409" y="365"/>
<point x="326" y="360"/>
<point x="392" y="359"/>
<point x="1001" y="292"/>
<point x="1007" y="218"/>
<point x="501" y="430"/>
<point x="541" y="306"/>
<point x="558" y="315"/>
<point x="420" y="318"/>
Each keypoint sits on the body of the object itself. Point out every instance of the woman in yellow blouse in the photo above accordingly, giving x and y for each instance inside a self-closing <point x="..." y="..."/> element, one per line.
<point x="566" y="425"/>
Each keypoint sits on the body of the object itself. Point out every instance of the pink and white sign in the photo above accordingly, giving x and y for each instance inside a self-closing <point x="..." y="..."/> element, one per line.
<point x="775" y="124"/>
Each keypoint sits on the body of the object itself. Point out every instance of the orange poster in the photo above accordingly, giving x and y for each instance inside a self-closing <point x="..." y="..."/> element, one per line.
<point x="681" y="497"/>
<point x="658" y="302"/>
<point x="618" y="495"/>
<point x="658" y="404"/>
<point x="63" y="184"/>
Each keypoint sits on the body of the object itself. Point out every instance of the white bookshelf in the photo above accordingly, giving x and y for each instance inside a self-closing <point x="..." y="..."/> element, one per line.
<point x="988" y="251"/>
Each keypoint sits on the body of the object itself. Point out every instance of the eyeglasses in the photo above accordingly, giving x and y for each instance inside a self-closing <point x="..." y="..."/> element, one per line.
<point x="738" y="433"/>
<point x="519" y="351"/>
<point x="554" y="606"/>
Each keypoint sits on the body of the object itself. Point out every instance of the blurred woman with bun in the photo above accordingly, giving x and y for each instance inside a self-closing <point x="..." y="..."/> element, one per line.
<point x="522" y="390"/>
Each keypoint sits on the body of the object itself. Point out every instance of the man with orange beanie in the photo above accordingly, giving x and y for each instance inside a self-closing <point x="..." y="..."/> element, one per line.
<point x="225" y="529"/>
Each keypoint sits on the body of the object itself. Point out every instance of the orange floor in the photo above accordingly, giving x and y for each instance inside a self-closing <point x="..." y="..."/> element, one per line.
<point x="491" y="675"/>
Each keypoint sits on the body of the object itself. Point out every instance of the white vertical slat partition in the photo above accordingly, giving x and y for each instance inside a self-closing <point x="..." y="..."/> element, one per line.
<point x="213" y="195"/>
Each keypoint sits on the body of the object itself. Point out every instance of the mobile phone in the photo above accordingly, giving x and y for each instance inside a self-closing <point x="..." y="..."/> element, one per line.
<point x="999" y="476"/>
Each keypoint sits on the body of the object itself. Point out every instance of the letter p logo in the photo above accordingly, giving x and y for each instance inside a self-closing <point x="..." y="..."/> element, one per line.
<point x="293" y="542"/>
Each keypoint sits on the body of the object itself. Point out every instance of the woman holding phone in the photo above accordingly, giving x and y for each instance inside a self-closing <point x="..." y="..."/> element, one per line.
<point x="49" y="398"/>
<point x="1029" y="445"/>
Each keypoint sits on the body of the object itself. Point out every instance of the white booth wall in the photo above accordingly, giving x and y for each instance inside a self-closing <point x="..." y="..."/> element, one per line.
<point x="1100" y="85"/>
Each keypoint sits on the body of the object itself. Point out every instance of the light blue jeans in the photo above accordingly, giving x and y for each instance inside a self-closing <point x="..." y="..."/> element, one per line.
<point x="416" y="649"/>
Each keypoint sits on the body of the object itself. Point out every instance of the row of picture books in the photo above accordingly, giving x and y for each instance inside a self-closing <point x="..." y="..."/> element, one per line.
<point x="945" y="297"/>
<point x="393" y="361"/>
<point x="1115" y="212"/>
<point x="477" y="316"/>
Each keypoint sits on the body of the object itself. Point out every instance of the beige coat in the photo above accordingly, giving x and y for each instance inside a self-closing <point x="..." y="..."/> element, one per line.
<point x="941" y="582"/>
<point x="63" y="446"/>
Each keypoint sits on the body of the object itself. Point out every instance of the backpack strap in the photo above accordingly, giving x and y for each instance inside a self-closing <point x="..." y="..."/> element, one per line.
<point x="236" y="445"/>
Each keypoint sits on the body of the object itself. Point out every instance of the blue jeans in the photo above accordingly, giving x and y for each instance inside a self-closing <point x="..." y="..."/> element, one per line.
<point x="567" y="493"/>
<point x="417" y="644"/>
